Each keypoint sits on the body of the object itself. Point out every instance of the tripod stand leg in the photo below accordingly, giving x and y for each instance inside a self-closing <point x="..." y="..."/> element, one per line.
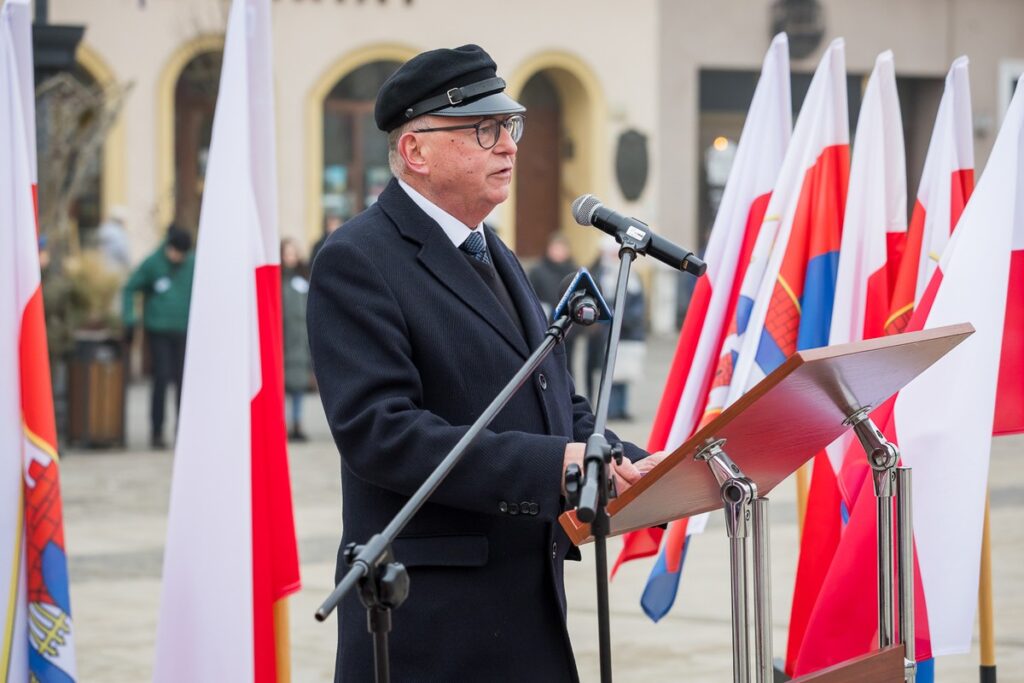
<point x="379" y="623"/>
<point x="604" y="628"/>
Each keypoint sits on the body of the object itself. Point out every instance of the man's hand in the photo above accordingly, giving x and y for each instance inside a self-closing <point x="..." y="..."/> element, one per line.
<point x="625" y="474"/>
<point x="645" y="465"/>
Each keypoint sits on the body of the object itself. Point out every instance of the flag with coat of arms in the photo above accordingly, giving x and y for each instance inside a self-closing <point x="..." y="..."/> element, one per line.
<point x="37" y="636"/>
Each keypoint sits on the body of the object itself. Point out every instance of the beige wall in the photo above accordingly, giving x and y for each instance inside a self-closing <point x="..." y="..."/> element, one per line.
<point x="639" y="62"/>
<point x="925" y="35"/>
<point x="312" y="40"/>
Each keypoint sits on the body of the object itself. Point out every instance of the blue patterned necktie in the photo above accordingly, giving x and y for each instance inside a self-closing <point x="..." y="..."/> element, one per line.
<point x="476" y="247"/>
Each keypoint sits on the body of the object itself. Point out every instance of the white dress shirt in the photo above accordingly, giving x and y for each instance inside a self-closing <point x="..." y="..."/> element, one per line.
<point x="456" y="230"/>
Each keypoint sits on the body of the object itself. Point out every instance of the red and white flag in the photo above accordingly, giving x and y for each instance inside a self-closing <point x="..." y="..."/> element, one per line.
<point x="36" y="636"/>
<point x="947" y="181"/>
<point x="1009" y="417"/>
<point x="755" y="168"/>
<point x="943" y="433"/>
<point x="231" y="552"/>
<point x="876" y="212"/>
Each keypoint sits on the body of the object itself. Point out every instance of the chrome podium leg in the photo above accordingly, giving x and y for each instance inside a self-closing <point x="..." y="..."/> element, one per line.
<point x="738" y="494"/>
<point x="762" y="594"/>
<point x="883" y="492"/>
<point x="882" y="457"/>
<point x="905" y="562"/>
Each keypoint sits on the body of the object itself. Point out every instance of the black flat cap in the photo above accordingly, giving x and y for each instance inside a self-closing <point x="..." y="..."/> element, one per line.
<point x="459" y="82"/>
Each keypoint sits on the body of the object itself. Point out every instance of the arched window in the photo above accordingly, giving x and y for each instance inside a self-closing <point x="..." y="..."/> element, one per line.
<point x="195" y="98"/>
<point x="355" y="168"/>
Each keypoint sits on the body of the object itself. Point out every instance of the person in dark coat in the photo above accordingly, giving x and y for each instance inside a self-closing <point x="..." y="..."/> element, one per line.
<point x="632" y="339"/>
<point x="418" y="315"/>
<point x="298" y="369"/>
<point x="546" y="278"/>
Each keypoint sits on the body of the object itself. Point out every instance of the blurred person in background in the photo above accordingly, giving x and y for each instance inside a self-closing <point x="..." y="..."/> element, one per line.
<point x="632" y="342"/>
<point x="164" y="279"/>
<point x="112" y="241"/>
<point x="331" y="223"/>
<point x="546" y="278"/>
<point x="298" y="369"/>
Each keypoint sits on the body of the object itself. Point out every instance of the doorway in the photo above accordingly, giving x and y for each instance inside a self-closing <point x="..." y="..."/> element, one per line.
<point x="538" y="167"/>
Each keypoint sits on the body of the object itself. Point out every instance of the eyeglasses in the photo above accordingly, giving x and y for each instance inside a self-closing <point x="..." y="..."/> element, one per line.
<point x="488" y="131"/>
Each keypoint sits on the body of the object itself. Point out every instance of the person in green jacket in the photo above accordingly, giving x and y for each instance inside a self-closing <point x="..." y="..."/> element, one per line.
<point x="165" y="281"/>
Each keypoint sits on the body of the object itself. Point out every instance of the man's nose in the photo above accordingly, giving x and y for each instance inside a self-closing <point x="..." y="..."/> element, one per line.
<point x="506" y="145"/>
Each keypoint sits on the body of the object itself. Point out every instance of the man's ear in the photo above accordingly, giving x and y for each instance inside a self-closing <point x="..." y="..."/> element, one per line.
<point x="414" y="153"/>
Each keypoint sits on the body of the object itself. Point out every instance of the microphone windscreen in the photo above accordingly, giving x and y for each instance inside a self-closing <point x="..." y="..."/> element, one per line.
<point x="567" y="281"/>
<point x="584" y="207"/>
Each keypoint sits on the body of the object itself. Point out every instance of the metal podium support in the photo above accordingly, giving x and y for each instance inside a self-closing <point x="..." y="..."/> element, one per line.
<point x="882" y="457"/>
<point x="905" y="562"/>
<point x="746" y="514"/>
<point x="891" y="482"/>
<point x="825" y="388"/>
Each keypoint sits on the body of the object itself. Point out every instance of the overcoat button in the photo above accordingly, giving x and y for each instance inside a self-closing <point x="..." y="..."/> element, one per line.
<point x="543" y="381"/>
<point x="502" y="506"/>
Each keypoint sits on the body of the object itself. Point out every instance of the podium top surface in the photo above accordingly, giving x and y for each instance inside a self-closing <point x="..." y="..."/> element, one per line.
<point x="778" y="425"/>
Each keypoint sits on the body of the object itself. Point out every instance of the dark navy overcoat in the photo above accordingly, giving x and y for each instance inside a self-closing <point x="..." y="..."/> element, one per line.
<point x="409" y="346"/>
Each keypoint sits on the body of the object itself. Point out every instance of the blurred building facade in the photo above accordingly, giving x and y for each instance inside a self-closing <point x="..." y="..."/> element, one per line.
<point x="636" y="102"/>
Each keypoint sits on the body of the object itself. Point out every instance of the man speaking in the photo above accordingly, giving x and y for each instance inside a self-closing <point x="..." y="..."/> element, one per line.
<point x="418" y="315"/>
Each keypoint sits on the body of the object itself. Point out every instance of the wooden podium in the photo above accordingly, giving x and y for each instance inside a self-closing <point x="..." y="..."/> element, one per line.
<point x="773" y="429"/>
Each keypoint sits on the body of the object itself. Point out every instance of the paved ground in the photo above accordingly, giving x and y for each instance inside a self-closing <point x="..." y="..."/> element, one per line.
<point x="115" y="520"/>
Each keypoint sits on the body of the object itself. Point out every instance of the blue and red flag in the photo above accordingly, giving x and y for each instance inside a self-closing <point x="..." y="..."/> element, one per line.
<point x="755" y="168"/>
<point x="787" y="297"/>
<point x="875" y="219"/>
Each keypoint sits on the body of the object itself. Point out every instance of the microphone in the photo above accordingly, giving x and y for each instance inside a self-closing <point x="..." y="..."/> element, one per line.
<point x="588" y="210"/>
<point x="582" y="300"/>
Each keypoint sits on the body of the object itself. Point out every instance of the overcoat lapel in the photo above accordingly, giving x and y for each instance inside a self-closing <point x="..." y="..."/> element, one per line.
<point x="519" y="289"/>
<point x="444" y="262"/>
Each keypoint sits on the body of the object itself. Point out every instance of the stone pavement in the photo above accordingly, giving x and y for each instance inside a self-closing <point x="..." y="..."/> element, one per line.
<point x="115" y="506"/>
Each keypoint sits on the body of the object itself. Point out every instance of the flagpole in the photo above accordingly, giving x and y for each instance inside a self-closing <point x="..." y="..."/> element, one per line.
<point x="802" y="487"/>
<point x="986" y="627"/>
<point x="282" y="641"/>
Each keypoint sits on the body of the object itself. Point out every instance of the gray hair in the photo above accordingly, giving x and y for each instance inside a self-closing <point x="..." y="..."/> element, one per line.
<point x="395" y="160"/>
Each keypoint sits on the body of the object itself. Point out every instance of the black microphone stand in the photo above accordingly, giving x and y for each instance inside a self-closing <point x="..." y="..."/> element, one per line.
<point x="591" y="489"/>
<point x="383" y="582"/>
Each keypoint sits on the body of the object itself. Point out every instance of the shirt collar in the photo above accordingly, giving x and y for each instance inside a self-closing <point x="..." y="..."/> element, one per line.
<point x="455" y="229"/>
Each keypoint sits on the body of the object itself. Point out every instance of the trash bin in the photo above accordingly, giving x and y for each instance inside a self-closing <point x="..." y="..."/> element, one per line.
<point x="96" y="391"/>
